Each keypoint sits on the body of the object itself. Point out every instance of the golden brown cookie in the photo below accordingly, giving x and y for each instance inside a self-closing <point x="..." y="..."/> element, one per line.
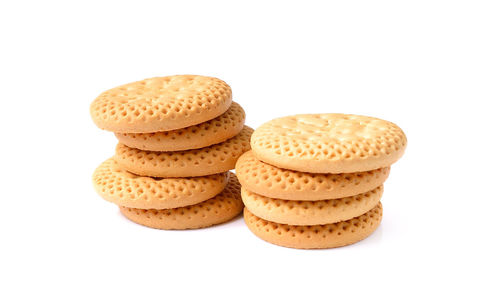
<point x="219" y="209"/>
<point x="271" y="181"/>
<point x="319" y="212"/>
<point x="214" y="159"/>
<point x="211" y="132"/>
<point x="319" y="236"/>
<point x="161" y="104"/>
<point x="329" y="143"/>
<point x="115" y="184"/>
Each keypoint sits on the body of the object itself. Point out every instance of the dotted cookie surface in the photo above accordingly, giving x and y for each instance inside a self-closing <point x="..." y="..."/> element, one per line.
<point x="205" y="134"/>
<point x="319" y="236"/>
<point x="275" y="182"/>
<point x="219" y="209"/>
<point x="115" y="184"/>
<point x="329" y="143"/>
<point x="295" y="212"/>
<point x="161" y="104"/>
<point x="214" y="159"/>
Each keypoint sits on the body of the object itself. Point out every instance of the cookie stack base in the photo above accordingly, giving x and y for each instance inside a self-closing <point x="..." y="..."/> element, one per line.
<point x="317" y="236"/>
<point x="309" y="210"/>
<point x="219" y="209"/>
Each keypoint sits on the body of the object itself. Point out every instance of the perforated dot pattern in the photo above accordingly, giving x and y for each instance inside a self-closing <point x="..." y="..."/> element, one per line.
<point x="123" y="188"/>
<point x="161" y="104"/>
<point x="318" y="236"/>
<point x="294" y="212"/>
<point x="329" y="143"/>
<point x="205" y="134"/>
<point x="216" y="210"/>
<point x="214" y="159"/>
<point x="267" y="180"/>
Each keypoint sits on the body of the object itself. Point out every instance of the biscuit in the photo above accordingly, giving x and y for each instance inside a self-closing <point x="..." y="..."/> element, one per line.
<point x="318" y="236"/>
<point x="115" y="184"/>
<point x="205" y="134"/>
<point x="214" y="159"/>
<point x="267" y="180"/>
<point x="296" y="212"/>
<point x="161" y="104"/>
<point x="219" y="209"/>
<point x="329" y="143"/>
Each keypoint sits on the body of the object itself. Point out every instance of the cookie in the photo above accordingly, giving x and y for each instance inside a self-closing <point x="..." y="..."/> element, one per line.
<point x="296" y="212"/>
<point x="161" y="104"/>
<point x="319" y="236"/>
<point x="113" y="183"/>
<point x="214" y="159"/>
<point x="219" y="209"/>
<point x="329" y="143"/>
<point x="205" y="134"/>
<point x="267" y="180"/>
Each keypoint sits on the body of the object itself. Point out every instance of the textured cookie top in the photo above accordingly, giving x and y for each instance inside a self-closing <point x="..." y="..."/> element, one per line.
<point x="329" y="143"/>
<point x="214" y="159"/>
<point x="116" y="185"/>
<point x="161" y="104"/>
<point x="318" y="236"/>
<point x="296" y="212"/>
<point x="221" y="208"/>
<point x="205" y="134"/>
<point x="275" y="182"/>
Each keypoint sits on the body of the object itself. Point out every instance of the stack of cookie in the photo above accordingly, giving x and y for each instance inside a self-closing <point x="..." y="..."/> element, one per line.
<point x="178" y="138"/>
<point x="316" y="180"/>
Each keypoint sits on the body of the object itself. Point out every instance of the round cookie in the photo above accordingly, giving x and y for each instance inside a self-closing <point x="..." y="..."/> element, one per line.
<point x="271" y="181"/>
<point x="115" y="184"/>
<point x="161" y="104"/>
<point x="219" y="209"/>
<point x="205" y="134"/>
<point x="214" y="159"/>
<point x="329" y="143"/>
<point x="318" y="236"/>
<point x="294" y="212"/>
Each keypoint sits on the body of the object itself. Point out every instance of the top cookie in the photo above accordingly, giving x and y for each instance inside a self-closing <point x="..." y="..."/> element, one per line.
<point x="161" y="104"/>
<point x="211" y="132"/>
<point x="329" y="143"/>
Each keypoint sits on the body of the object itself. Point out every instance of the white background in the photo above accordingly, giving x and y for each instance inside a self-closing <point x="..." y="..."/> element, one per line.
<point x="432" y="67"/>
